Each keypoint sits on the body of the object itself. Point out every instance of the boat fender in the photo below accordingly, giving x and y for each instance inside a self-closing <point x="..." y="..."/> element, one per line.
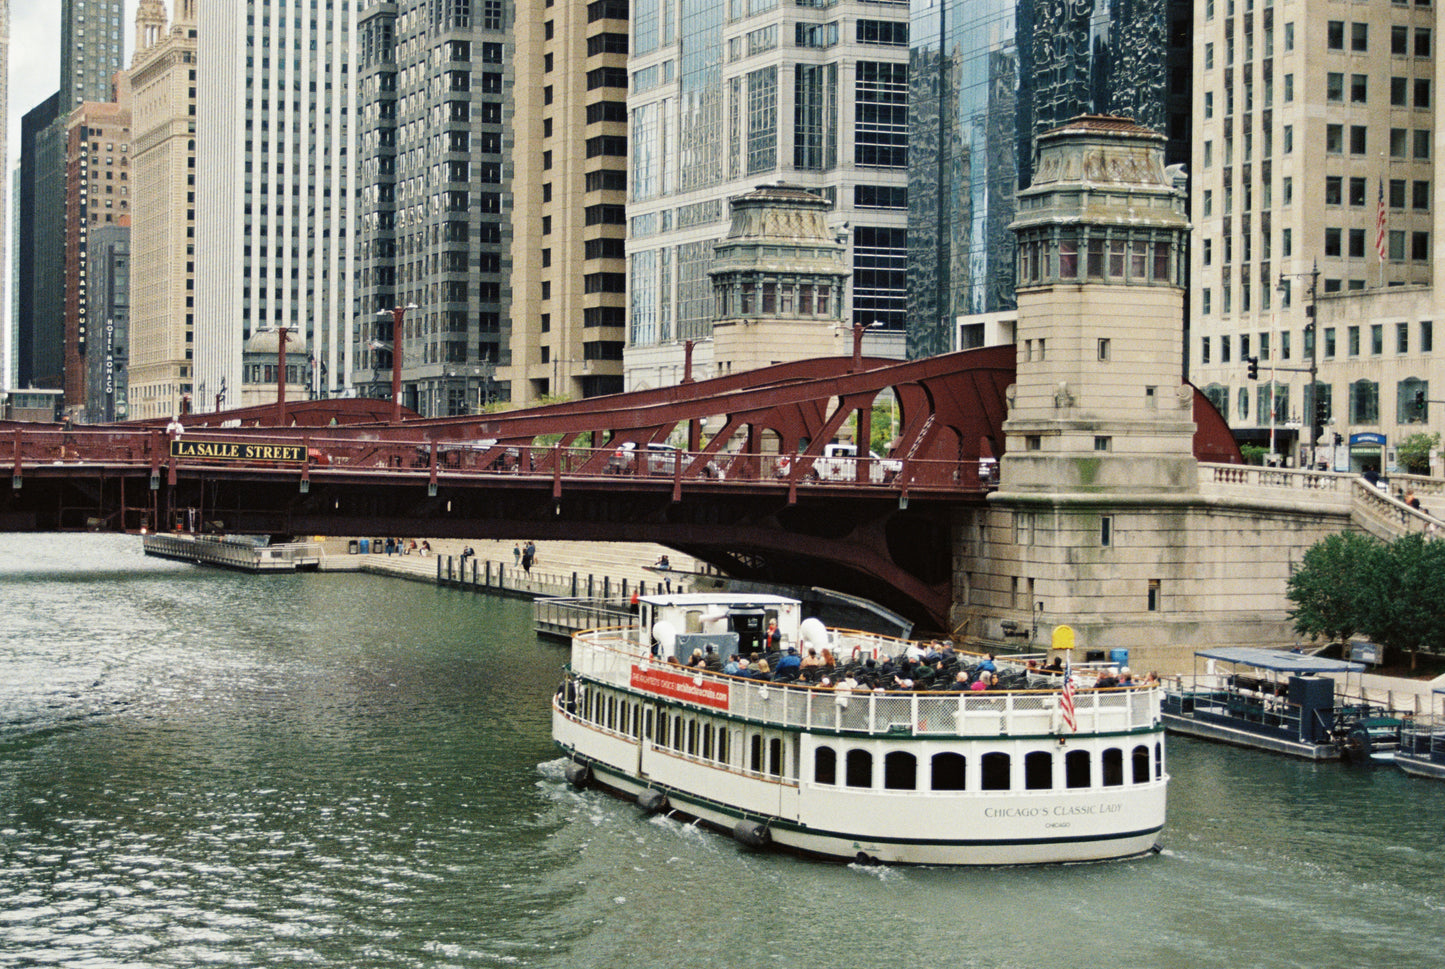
<point x="865" y="859"/>
<point x="578" y="775"/>
<point x="752" y="834"/>
<point x="652" y="801"/>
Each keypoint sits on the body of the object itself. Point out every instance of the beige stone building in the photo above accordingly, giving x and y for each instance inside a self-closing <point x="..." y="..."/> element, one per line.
<point x="163" y="243"/>
<point x="570" y="192"/>
<point x="1314" y="184"/>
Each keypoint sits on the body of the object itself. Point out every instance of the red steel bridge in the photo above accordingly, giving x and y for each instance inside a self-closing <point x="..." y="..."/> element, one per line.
<point x="750" y="491"/>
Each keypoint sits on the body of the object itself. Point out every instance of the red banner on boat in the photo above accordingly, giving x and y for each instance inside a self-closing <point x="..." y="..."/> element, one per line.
<point x="680" y="686"/>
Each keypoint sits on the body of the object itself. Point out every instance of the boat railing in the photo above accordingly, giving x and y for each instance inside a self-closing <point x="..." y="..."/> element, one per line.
<point x="1423" y="738"/>
<point x="610" y="656"/>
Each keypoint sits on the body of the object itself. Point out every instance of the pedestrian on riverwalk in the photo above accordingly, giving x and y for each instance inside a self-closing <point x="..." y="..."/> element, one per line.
<point x="516" y="554"/>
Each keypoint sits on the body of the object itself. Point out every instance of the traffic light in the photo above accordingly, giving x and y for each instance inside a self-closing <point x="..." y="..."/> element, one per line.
<point x="1338" y="439"/>
<point x="1253" y="372"/>
<point x="1420" y="402"/>
<point x="1322" y="411"/>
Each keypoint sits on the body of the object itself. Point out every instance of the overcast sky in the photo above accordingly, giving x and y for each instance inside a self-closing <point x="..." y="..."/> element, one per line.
<point x="35" y="57"/>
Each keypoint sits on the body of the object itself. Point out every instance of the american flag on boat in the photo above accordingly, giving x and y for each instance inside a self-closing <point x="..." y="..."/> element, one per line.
<point x="1067" y="702"/>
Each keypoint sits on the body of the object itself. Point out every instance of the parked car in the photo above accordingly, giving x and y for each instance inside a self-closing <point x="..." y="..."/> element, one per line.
<point x="657" y="458"/>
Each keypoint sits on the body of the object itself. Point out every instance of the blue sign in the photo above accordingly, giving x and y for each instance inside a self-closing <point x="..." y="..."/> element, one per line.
<point x="1367" y="438"/>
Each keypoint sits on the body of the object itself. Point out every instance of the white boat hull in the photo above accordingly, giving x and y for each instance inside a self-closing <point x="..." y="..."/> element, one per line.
<point x="924" y="827"/>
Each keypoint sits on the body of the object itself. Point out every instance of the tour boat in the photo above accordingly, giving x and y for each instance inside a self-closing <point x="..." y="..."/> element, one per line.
<point x="1037" y="773"/>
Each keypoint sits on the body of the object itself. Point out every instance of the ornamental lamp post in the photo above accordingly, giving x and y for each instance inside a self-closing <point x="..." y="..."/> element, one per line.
<point x="398" y="319"/>
<point x="1312" y="334"/>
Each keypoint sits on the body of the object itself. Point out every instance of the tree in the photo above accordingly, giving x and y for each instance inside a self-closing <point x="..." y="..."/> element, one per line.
<point x="1328" y="586"/>
<point x="1404" y="589"/>
<point x="1414" y="452"/>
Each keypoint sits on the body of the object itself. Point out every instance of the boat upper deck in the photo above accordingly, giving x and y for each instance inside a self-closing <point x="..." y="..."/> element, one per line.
<point x="615" y="658"/>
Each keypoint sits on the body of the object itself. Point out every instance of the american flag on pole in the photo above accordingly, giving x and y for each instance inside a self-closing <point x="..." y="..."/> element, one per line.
<point x="1380" y="247"/>
<point x="1066" y="703"/>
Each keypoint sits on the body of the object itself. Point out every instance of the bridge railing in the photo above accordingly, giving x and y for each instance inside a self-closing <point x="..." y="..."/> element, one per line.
<point x="30" y="446"/>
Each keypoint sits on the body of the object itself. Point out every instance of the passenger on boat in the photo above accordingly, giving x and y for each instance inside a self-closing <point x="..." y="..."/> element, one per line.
<point x="812" y="659"/>
<point x="731" y="667"/>
<point x="774" y="638"/>
<point x="789" y="667"/>
<point x="712" y="660"/>
<point x="829" y="662"/>
<point x="984" y="681"/>
<point x="1106" y="680"/>
<point x="988" y="664"/>
<point x="695" y="659"/>
<point x="761" y="671"/>
<point x="960" y="682"/>
<point x="1125" y="677"/>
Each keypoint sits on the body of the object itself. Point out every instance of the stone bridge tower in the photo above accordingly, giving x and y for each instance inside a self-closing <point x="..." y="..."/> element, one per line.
<point x="1100" y="522"/>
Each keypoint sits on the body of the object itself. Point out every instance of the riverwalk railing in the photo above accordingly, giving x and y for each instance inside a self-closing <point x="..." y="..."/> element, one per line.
<point x="609" y="656"/>
<point x="470" y="572"/>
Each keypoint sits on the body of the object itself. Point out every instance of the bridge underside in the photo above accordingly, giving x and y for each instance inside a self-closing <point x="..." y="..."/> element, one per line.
<point x="831" y="539"/>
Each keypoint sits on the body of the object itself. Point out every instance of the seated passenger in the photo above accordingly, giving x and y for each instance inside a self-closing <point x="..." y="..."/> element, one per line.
<point x="984" y="681"/>
<point x="988" y="664"/>
<point x="1106" y="680"/>
<point x="789" y="666"/>
<point x="712" y="660"/>
<point x="1126" y="678"/>
<point x="812" y="659"/>
<point x="960" y="682"/>
<point x="695" y="659"/>
<point x="732" y="665"/>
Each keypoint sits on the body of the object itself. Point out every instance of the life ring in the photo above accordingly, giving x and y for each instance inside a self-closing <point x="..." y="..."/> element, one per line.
<point x="785" y="465"/>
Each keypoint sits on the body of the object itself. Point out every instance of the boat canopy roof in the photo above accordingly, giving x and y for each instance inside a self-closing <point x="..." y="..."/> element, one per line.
<point x="733" y="600"/>
<point x="1280" y="661"/>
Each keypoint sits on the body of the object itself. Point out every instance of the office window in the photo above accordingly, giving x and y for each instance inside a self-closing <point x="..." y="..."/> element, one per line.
<point x="1377" y="339"/>
<point x="1357" y="243"/>
<point x="1353" y="341"/>
<point x="1330" y="343"/>
<point x="1420" y="196"/>
<point x="1334" y="189"/>
<point x="1358" y="139"/>
<point x="1334" y="34"/>
<point x="1427" y="336"/>
<point x="1399" y="142"/>
<point x="1422" y="92"/>
<point x="1334" y="138"/>
<point x="1402" y="337"/>
<point x="1289" y="37"/>
<point x="1419" y="246"/>
<point x="1399" y="40"/>
<point x="1422" y="42"/>
<point x="1397" y="193"/>
<point x="1359" y="37"/>
<point x="1357" y="192"/>
<point x="1334" y="239"/>
<point x="1335" y="87"/>
<point x="1422" y="145"/>
<point x="1359" y="89"/>
<point x="1399" y="92"/>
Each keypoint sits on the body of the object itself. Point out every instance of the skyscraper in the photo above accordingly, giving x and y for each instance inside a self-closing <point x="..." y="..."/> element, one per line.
<point x="92" y="49"/>
<point x="729" y="95"/>
<point x="276" y="162"/>
<point x="434" y="198"/>
<point x="163" y="77"/>
<point x="988" y="77"/>
<point x="7" y="329"/>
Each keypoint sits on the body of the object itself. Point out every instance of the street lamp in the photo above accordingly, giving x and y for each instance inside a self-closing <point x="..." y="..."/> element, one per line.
<point x="858" y="330"/>
<point x="398" y="318"/>
<point x="1312" y="334"/>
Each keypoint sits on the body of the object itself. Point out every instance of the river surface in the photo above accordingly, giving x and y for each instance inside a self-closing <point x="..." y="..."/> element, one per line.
<point x="206" y="768"/>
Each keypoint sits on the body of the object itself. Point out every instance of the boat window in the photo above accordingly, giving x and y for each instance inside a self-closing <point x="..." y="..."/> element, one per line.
<point x="825" y="766"/>
<point x="692" y="737"/>
<point x="757" y="752"/>
<point x="859" y="769"/>
<point x="647" y="723"/>
<point x="612" y="713"/>
<point x="723" y="753"/>
<point x="900" y="771"/>
<point x="1113" y="767"/>
<point x="707" y="740"/>
<point x="949" y="772"/>
<point x="677" y="732"/>
<point x="1158" y="762"/>
<point x="996" y="769"/>
<point x="692" y="621"/>
<point x="1039" y="770"/>
<point x="775" y="756"/>
<point x="1077" y="769"/>
<point x="1141" y="764"/>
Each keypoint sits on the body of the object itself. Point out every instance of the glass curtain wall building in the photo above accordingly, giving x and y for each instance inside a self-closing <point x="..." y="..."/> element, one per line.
<point x="987" y="77"/>
<point x="726" y="96"/>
